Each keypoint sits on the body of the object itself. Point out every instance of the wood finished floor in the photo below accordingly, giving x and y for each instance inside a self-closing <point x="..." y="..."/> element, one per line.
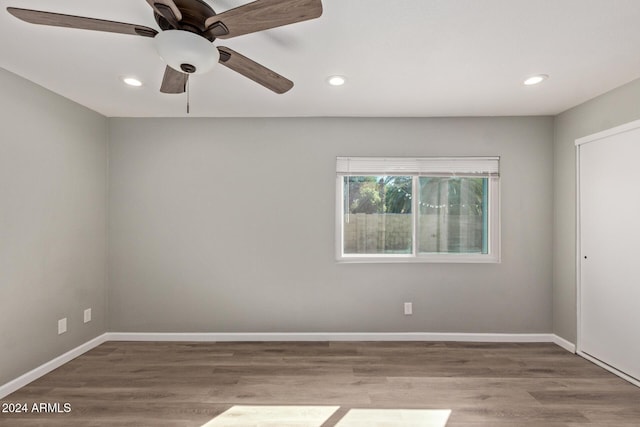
<point x="187" y="384"/>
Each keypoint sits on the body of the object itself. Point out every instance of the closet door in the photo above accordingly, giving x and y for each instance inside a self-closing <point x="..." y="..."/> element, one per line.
<point x="609" y="263"/>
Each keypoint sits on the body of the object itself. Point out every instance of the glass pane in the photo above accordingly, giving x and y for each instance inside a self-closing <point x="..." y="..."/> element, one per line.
<point x="377" y="215"/>
<point x="453" y="215"/>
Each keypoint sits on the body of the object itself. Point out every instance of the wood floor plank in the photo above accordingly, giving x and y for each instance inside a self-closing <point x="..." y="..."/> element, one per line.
<point x="188" y="384"/>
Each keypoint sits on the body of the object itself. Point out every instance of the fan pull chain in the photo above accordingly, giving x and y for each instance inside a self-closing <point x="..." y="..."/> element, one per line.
<point x="188" y="96"/>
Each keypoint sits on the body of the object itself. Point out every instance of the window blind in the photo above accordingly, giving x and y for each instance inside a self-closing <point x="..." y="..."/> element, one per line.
<point x="421" y="166"/>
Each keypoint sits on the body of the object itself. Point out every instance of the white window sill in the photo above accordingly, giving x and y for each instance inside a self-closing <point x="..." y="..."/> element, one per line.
<point x="432" y="259"/>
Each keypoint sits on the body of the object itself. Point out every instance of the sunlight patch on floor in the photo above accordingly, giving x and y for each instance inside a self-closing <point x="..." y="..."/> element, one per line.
<point x="395" y="418"/>
<point x="273" y="416"/>
<point x="315" y="416"/>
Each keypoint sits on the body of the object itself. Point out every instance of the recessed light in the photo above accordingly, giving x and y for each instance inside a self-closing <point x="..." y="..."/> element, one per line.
<point x="534" y="80"/>
<point x="132" y="81"/>
<point x="336" y="80"/>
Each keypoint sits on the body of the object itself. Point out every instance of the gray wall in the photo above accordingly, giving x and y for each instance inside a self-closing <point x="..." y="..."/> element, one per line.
<point x="227" y="225"/>
<point x="52" y="224"/>
<point x="614" y="108"/>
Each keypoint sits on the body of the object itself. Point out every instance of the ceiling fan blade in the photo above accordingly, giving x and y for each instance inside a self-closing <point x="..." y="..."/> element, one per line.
<point x="81" y="22"/>
<point x="254" y="71"/>
<point x="174" y="81"/>
<point x="168" y="10"/>
<point x="264" y="14"/>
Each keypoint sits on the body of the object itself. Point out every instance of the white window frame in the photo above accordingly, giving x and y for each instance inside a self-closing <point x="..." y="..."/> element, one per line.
<point x="478" y="167"/>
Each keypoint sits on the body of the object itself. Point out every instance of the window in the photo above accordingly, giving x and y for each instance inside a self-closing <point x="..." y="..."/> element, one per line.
<point x="426" y="209"/>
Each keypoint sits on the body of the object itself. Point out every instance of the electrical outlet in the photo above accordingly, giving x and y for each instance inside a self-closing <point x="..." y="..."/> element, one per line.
<point x="62" y="326"/>
<point x="408" y="308"/>
<point x="87" y="315"/>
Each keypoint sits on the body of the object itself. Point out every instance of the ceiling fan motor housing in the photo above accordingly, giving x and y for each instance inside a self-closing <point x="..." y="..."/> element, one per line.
<point x="193" y="16"/>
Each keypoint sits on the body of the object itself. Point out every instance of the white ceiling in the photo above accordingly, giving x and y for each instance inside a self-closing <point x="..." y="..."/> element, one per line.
<point x="401" y="58"/>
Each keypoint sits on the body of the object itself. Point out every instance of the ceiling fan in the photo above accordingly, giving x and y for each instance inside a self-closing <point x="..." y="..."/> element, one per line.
<point x="188" y="28"/>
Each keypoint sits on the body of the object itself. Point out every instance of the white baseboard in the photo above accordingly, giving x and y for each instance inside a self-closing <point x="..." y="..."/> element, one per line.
<point x="34" y="374"/>
<point x="569" y="346"/>
<point x="328" y="336"/>
<point x="47" y="367"/>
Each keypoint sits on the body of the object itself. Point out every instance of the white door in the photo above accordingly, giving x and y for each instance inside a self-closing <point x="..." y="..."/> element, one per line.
<point x="609" y="209"/>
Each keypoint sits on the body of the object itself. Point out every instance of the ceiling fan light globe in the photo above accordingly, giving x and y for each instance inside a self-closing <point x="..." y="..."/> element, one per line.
<point x="178" y="47"/>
